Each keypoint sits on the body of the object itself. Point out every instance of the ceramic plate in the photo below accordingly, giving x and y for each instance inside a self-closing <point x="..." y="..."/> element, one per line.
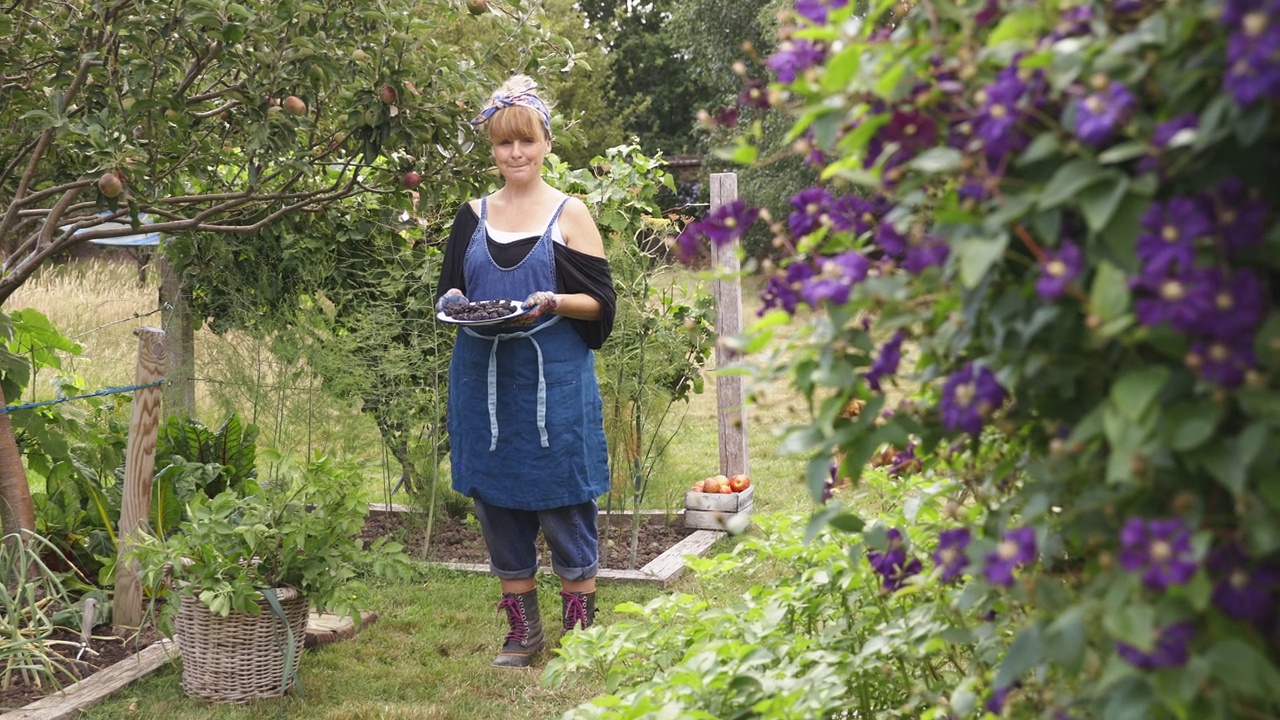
<point x="520" y="310"/>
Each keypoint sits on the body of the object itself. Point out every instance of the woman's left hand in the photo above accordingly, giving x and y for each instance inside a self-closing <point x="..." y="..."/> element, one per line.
<point x="540" y="303"/>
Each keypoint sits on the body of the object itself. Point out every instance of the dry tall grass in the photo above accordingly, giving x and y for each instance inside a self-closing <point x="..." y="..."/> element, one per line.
<point x="99" y="303"/>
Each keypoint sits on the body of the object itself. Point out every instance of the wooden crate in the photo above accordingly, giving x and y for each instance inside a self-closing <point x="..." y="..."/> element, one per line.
<point x="710" y="511"/>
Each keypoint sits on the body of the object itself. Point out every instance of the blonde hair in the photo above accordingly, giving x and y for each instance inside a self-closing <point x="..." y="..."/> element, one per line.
<point x="521" y="121"/>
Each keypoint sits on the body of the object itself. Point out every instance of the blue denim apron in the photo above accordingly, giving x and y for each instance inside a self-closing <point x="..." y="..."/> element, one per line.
<point x="525" y="421"/>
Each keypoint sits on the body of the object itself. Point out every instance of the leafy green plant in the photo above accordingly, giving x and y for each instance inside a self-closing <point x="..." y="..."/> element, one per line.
<point x="300" y="533"/>
<point x="1046" y="221"/>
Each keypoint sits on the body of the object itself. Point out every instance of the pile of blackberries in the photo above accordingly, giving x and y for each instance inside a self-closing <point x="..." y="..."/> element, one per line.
<point x="482" y="310"/>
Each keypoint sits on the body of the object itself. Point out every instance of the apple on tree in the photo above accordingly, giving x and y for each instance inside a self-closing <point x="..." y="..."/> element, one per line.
<point x="294" y="105"/>
<point x="411" y="180"/>
<point x="110" y="184"/>
<point x="388" y="95"/>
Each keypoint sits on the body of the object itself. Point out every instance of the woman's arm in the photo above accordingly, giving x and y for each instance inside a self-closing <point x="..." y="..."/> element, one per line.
<point x="455" y="249"/>
<point x="581" y="234"/>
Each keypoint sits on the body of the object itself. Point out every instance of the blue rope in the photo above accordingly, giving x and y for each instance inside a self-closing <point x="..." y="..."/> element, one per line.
<point x="105" y="391"/>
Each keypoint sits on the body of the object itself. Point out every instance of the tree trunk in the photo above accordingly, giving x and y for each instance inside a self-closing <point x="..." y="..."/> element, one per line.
<point x="16" y="509"/>
<point x="180" y="365"/>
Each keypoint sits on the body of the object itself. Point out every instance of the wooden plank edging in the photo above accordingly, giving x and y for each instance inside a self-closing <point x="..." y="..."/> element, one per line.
<point x="71" y="700"/>
<point x="660" y="571"/>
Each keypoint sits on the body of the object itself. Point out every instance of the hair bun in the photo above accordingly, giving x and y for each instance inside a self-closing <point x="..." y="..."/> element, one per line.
<point x="517" y="85"/>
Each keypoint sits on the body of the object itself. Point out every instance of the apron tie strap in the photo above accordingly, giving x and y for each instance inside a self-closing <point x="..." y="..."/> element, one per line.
<point x="493" y="379"/>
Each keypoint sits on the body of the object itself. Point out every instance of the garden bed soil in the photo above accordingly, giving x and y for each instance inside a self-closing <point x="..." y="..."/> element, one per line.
<point x="110" y="650"/>
<point x="455" y="540"/>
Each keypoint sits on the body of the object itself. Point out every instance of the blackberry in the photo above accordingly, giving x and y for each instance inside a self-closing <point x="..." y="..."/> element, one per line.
<point x="482" y="310"/>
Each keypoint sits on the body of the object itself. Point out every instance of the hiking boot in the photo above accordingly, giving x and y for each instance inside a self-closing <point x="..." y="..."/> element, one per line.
<point x="524" y="639"/>
<point x="579" y="609"/>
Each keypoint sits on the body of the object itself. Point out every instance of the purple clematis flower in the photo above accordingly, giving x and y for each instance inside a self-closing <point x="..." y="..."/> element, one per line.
<point x="1017" y="547"/>
<point x="1243" y="589"/>
<point x="968" y="397"/>
<point x="850" y="213"/>
<point x="1253" y="51"/>
<point x="811" y="206"/>
<point x="1164" y="135"/>
<point x="1058" y="269"/>
<point x="893" y="564"/>
<point x="835" y="278"/>
<point x="1160" y="550"/>
<point x="1171" y="648"/>
<point x="1173" y="228"/>
<point x="1223" y="363"/>
<point x="794" y="57"/>
<point x="729" y="222"/>
<point x="887" y="361"/>
<point x="1183" y="296"/>
<point x="1100" y="114"/>
<point x="997" y="124"/>
<point x="784" y="291"/>
<point x="950" y="555"/>
<point x="1241" y="215"/>
<point x="817" y="11"/>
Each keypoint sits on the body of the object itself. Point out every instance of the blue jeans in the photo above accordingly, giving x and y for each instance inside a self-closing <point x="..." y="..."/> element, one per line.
<point x="570" y="532"/>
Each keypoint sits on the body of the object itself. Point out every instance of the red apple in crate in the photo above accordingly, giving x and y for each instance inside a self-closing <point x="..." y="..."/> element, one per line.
<point x="739" y="482"/>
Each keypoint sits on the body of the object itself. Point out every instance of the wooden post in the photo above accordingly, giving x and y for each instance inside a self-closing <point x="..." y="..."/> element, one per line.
<point x="139" y="469"/>
<point x="180" y="365"/>
<point x="731" y="399"/>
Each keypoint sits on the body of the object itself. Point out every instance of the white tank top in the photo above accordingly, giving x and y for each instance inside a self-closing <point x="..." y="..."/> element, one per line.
<point x="503" y="237"/>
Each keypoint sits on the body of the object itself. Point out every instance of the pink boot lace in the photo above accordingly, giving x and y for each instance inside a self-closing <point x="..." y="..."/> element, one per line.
<point x="575" y="611"/>
<point x="519" y="631"/>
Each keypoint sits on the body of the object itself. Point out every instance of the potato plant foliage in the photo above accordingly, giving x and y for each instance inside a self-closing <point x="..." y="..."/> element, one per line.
<point x="1047" y="231"/>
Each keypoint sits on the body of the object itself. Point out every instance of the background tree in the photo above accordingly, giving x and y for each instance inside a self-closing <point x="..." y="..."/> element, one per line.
<point x="223" y="118"/>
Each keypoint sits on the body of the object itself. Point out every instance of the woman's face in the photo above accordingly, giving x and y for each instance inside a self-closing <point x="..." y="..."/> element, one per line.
<point x="520" y="158"/>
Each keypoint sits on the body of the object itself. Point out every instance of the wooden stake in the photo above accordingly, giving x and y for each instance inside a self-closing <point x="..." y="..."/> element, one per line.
<point x="139" y="469"/>
<point x="731" y="399"/>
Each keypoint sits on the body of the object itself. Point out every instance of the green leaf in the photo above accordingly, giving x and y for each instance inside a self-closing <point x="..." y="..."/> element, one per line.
<point x="1026" y="652"/>
<point x="1122" y="152"/>
<point x="1119" y="236"/>
<point x="1224" y="462"/>
<point x="1135" y="393"/>
<point x="1043" y="146"/>
<point x="1069" y="180"/>
<point x="1133" y="624"/>
<point x="1239" y="666"/>
<point x="1021" y="26"/>
<point x="1098" y="202"/>
<point x="1109" y="295"/>
<point x="977" y="255"/>
<point x="1189" y="425"/>
<point x="937" y="160"/>
<point x="1065" y="639"/>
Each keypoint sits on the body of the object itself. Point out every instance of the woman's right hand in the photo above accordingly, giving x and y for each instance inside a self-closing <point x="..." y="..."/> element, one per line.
<point x="454" y="296"/>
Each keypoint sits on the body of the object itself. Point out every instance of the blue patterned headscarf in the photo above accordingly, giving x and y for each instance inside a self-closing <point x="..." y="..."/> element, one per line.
<point x="526" y="98"/>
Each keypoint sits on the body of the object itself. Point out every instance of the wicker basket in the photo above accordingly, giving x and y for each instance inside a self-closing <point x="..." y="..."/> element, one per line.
<point x="239" y="657"/>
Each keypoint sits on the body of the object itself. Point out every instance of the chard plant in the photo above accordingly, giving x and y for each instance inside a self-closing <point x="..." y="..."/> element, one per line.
<point x="1052" y="223"/>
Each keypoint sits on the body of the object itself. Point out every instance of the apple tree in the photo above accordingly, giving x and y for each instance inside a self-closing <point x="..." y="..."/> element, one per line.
<point x="222" y="118"/>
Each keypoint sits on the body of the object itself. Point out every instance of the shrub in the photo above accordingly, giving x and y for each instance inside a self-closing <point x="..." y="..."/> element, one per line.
<point x="1048" y="220"/>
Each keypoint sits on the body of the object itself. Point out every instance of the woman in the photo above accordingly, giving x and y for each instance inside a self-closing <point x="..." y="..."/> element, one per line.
<point x="525" y="419"/>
